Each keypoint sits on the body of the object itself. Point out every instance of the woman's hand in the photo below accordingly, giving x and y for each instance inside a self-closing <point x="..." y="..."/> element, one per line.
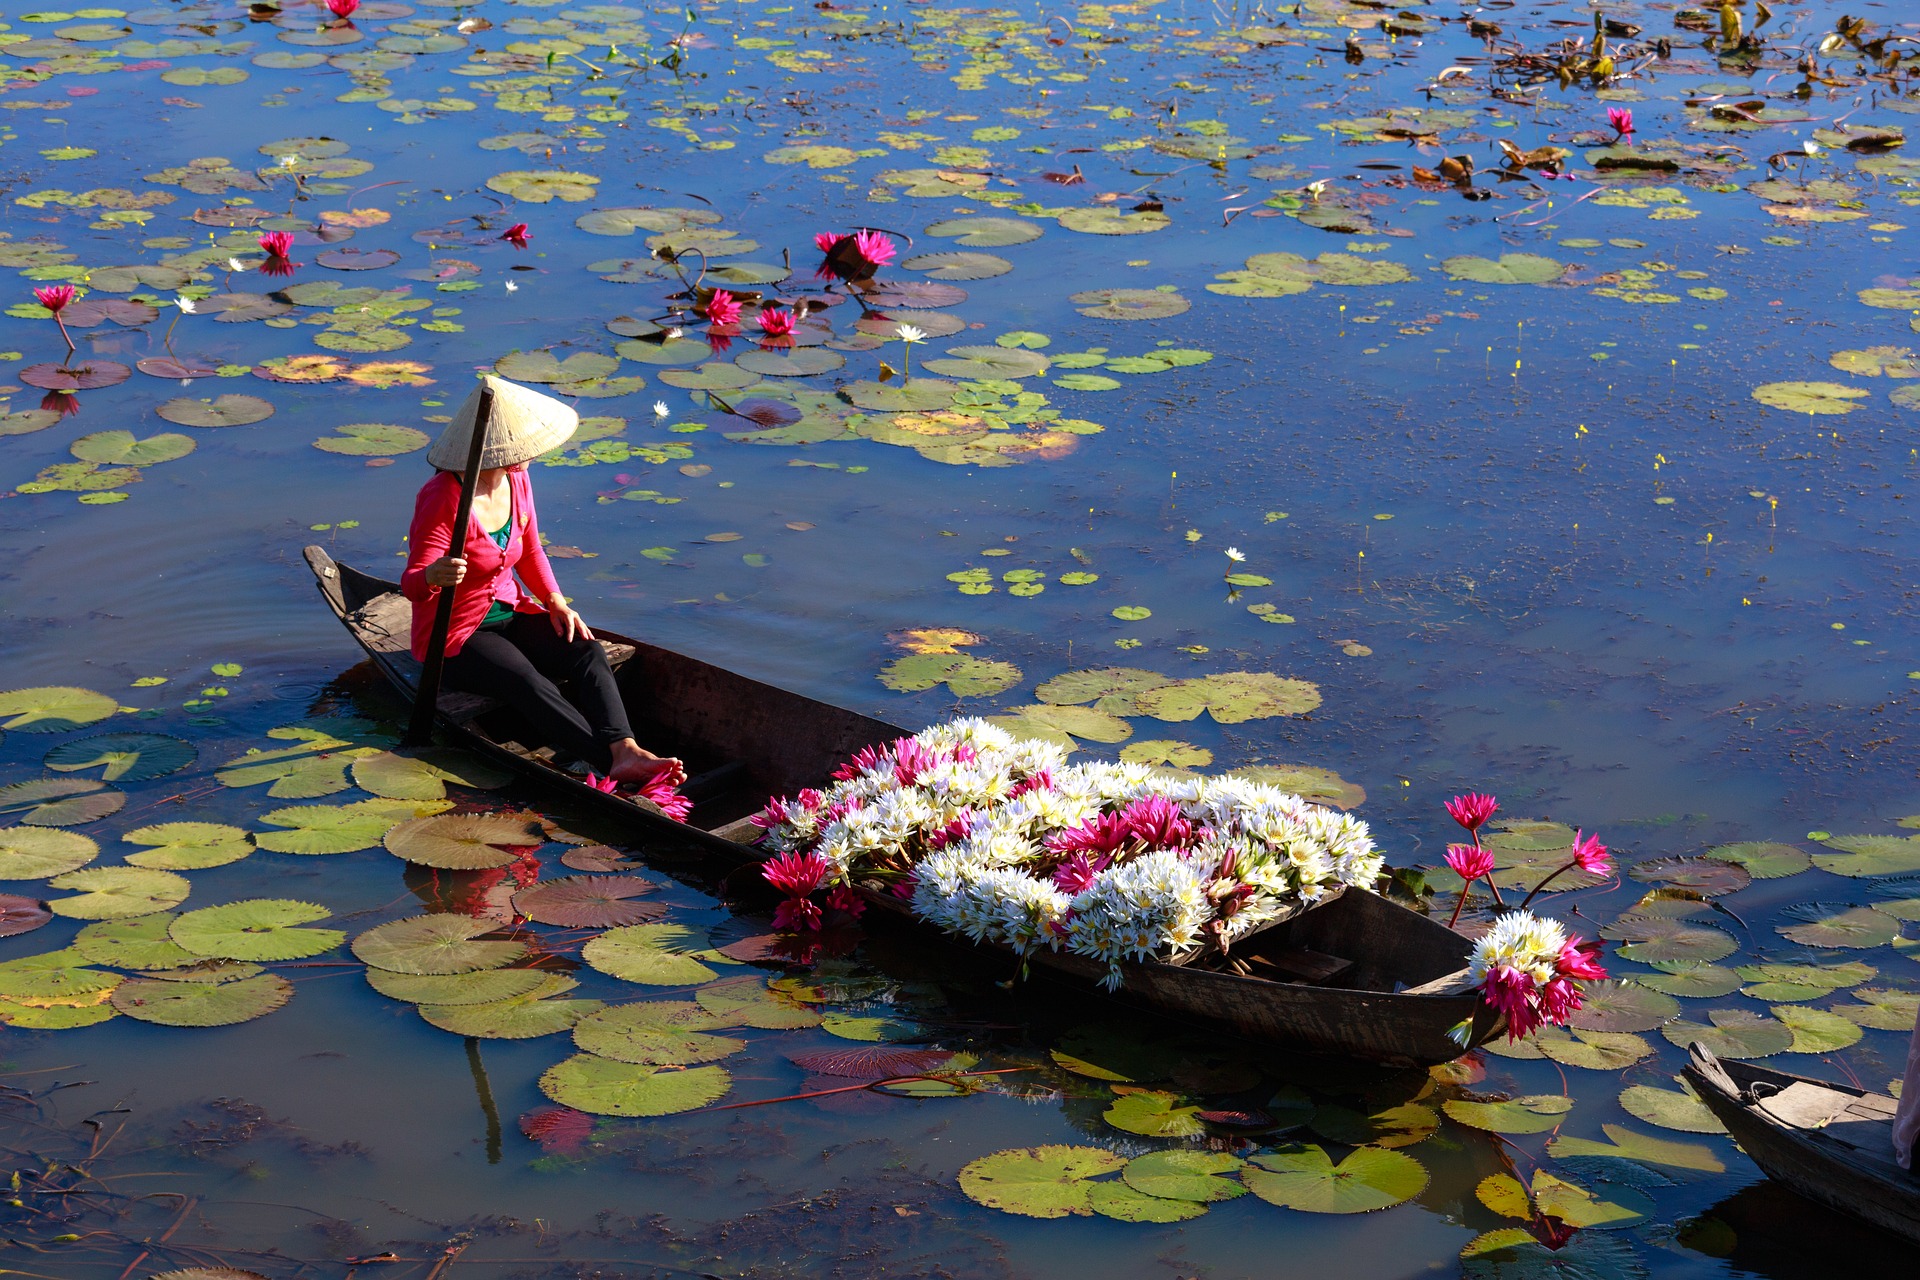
<point x="566" y="623"/>
<point x="447" y="571"/>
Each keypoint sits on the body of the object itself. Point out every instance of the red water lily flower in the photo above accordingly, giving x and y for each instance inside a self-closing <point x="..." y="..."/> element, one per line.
<point x="276" y="243"/>
<point x="1591" y="855"/>
<point x="723" y="308"/>
<point x="516" y="235"/>
<point x="875" y="247"/>
<point x="1472" y="810"/>
<point x="1621" y="118"/>
<point x="55" y="297"/>
<point x="777" y="323"/>
<point x="1469" y="862"/>
<point x="342" y="9"/>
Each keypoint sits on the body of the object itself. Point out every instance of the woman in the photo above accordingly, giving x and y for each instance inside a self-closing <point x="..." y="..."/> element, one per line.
<point x="513" y="636"/>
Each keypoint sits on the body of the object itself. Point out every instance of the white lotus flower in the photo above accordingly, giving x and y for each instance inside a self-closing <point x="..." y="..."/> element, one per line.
<point x="660" y="409"/>
<point x="1810" y="147"/>
<point x="675" y="333"/>
<point x="234" y="264"/>
<point x="907" y="333"/>
<point x="512" y="287"/>
<point x="185" y="304"/>
<point x="287" y="162"/>
<point x="1235" y="554"/>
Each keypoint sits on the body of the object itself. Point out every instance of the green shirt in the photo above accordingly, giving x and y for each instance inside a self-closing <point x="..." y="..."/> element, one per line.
<point x="501" y="612"/>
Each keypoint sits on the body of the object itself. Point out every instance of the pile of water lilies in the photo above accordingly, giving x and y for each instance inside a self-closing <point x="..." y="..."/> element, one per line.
<point x="1000" y="840"/>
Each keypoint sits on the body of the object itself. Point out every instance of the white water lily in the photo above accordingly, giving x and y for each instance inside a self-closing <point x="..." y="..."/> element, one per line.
<point x="907" y="333"/>
<point x="675" y="333"/>
<point x="1236" y="555"/>
<point x="234" y="264"/>
<point x="1810" y="147"/>
<point x="185" y="304"/>
<point x="660" y="409"/>
<point x="512" y="287"/>
<point x="287" y="162"/>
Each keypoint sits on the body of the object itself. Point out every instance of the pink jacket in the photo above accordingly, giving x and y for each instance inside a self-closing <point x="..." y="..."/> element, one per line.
<point x="490" y="570"/>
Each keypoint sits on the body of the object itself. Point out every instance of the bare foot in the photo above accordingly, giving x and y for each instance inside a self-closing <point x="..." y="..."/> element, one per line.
<point x="634" y="765"/>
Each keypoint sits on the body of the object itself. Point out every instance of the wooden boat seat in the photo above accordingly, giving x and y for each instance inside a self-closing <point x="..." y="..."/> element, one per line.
<point x="386" y="624"/>
<point x="1863" y="1123"/>
<point x="1298" y="964"/>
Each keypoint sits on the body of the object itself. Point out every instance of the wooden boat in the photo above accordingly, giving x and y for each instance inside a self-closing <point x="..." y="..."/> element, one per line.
<point x="1832" y="1143"/>
<point x="1357" y="975"/>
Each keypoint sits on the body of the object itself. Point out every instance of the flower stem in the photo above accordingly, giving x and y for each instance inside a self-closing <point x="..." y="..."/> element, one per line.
<point x="1549" y="880"/>
<point x="908" y="362"/>
<point x="63" y="332"/>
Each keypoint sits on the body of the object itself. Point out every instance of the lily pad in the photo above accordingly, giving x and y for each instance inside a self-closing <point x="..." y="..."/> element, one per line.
<point x="423" y="774"/>
<point x="111" y="893"/>
<point x="1111" y="689"/>
<point x="1572" y="1204"/>
<point x="1537" y="1114"/>
<point x="589" y="902"/>
<point x="1708" y="877"/>
<point x="1509" y="268"/>
<point x="964" y="676"/>
<point x="479" y="987"/>
<point x="1817" y="1030"/>
<point x="258" y="929"/>
<point x="436" y="944"/>
<point x="538" y="186"/>
<point x="1733" y="1033"/>
<point x="1820" y="398"/>
<point x="35" y="853"/>
<point x="122" y="448"/>
<point x="141" y="942"/>
<point x="187" y="846"/>
<point x="603" y="1087"/>
<point x="635" y="953"/>
<point x="60" y="802"/>
<point x="747" y="1002"/>
<point x="1651" y="938"/>
<point x="1044" y="720"/>
<point x="1400" y="1126"/>
<point x="53" y="709"/>
<point x="1038" y="1182"/>
<point x="123" y="757"/>
<point x="1882" y="1009"/>
<point x="1592" y="1050"/>
<point x="1231" y="697"/>
<point x="1764" y="860"/>
<point x="524" y="1017"/>
<point x="986" y="232"/>
<point x="373" y="440"/>
<point x="463" y="842"/>
<point x="317" y="829"/>
<point x="1130" y="304"/>
<point x="1626" y="1144"/>
<point x="1623" y="1006"/>
<point x="1195" y="1176"/>
<point x="659" y="1033"/>
<point x="19" y="914"/>
<point x="1690" y="979"/>
<point x="201" y="1004"/>
<point x="1155" y="1114"/>
<point x="1306" y="1178"/>
<point x="1122" y="1203"/>
<point x="1670" y="1108"/>
<point x="959" y="266"/>
<point x="216" y="411"/>
<point x="1870" y="855"/>
<point x="1838" y="924"/>
<point x="1113" y="222"/>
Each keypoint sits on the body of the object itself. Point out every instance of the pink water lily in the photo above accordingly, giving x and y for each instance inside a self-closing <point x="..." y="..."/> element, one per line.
<point x="1621" y="120"/>
<point x="776" y="323"/>
<point x="875" y="246"/>
<point x="666" y="796"/>
<point x="723" y="308"/>
<point x="1472" y="810"/>
<point x="796" y="874"/>
<point x="1591" y="855"/>
<point x="1469" y="862"/>
<point x="516" y="235"/>
<point x="343" y="9"/>
<point x="276" y="243"/>
<point x="55" y="297"/>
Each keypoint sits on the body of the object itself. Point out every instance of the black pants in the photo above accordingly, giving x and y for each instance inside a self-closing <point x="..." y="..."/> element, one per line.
<point x="525" y="664"/>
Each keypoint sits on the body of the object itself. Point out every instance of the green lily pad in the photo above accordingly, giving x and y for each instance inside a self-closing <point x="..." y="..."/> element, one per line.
<point x="436" y="944"/>
<point x="1306" y="1178"/>
<point x="1113" y="222"/>
<point x="1231" y="697"/>
<point x="1822" y="398"/>
<point x="964" y="676"/>
<point x="1626" y="1144"/>
<point x="747" y="1002"/>
<point x="53" y="975"/>
<point x="1838" y="924"/>
<point x="1130" y="304"/>
<point x="1652" y="938"/>
<point x="1038" y="1182"/>
<point x="987" y="232"/>
<point x="1764" y="860"/>
<point x="110" y="893"/>
<point x="258" y="929"/>
<point x="1088" y="723"/>
<point x="1796" y="982"/>
<point x="121" y="448"/>
<point x="1816" y="1030"/>
<point x="314" y="768"/>
<point x="1872" y="362"/>
<point x="187" y="846"/>
<point x="659" y="1033"/>
<point x="1882" y="1009"/>
<point x="1622" y="1006"/>
<point x="423" y="774"/>
<point x="35" y="853"/>
<point x="1112" y="689"/>
<point x="1573" y="1204"/>
<point x="634" y="953"/>
<point x="1537" y="1114"/>
<point x="123" y="757"/>
<point x="1690" y="979"/>
<point x="53" y="709"/>
<point x="1592" y="1050"/>
<point x="1733" y="1033"/>
<point x="338" y="828"/>
<point x="524" y="1017"/>
<point x="141" y="942"/>
<point x="1122" y="1203"/>
<point x="994" y="361"/>
<point x="538" y="186"/>
<point x="1155" y="1114"/>
<point x="800" y="362"/>
<point x="60" y="802"/>
<point x="1400" y="1126"/>
<point x="1509" y="268"/>
<point x="216" y="411"/>
<point x="624" y="222"/>
<point x="1185" y="1175"/>
<point x="921" y="395"/>
<point x="373" y="440"/>
<point x="463" y="842"/>
<point x="1167" y="752"/>
<point x="959" y="266"/>
<point x="201" y="1004"/>
<point x="1870" y="855"/>
<point x="544" y="366"/>
<point x="602" y="1087"/>
<point x="1708" y="877"/>
<point x="1670" y="1108"/>
<point x="54" y="1017"/>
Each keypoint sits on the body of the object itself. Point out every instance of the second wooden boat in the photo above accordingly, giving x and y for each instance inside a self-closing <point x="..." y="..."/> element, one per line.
<point x="1832" y="1143"/>
<point x="1357" y="975"/>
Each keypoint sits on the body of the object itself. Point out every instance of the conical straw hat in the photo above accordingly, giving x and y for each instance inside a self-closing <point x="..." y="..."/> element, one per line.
<point x="524" y="424"/>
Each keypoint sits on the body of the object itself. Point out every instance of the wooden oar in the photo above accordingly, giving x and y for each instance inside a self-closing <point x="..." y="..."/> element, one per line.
<point x="426" y="698"/>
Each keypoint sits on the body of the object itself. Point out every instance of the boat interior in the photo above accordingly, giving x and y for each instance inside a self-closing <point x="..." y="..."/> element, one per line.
<point x="1854" y="1118"/>
<point x="1357" y="941"/>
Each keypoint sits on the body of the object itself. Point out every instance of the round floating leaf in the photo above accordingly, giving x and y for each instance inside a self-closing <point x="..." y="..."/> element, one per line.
<point x="1537" y="1114"/>
<point x="1762" y="859"/>
<point x="312" y="368"/>
<point x="634" y="953"/>
<point x="112" y="893"/>
<point x="922" y="395"/>
<point x="1838" y="924"/>
<point x="1185" y="1175"/>
<point x="89" y="376"/>
<point x="217" y="411"/>
<point x="1155" y="1114"/>
<point x="718" y="376"/>
<point x="1641" y="1148"/>
<point x="624" y="222"/>
<point x="258" y="929"/>
<point x="1112" y="222"/>
<point x="1304" y="1177"/>
<point x="357" y="259"/>
<point x="1734" y="1033"/>
<point x="1708" y="877"/>
<point x="1167" y="752"/>
<point x="373" y="440"/>
<point x="20" y="915"/>
<point x="54" y="1017"/>
<point x="747" y="1002"/>
<point x="436" y="944"/>
<point x="964" y="676"/>
<point x="1130" y="304"/>
<point x="517" y="1018"/>
<point x="141" y="942"/>
<point x="1120" y="684"/>
<point x="659" y="1033"/>
<point x="201" y="1004"/>
<point x="480" y="987"/>
<point x="1870" y="855"/>
<point x="538" y="186"/>
<point x="121" y="448"/>
<point x="1510" y="268"/>
<point x="123" y="757"/>
<point x="338" y="828"/>
<point x="867" y="1063"/>
<point x="1122" y="1203"/>
<point x="915" y="295"/>
<point x="1622" y="1006"/>
<point x="1038" y="1182"/>
<point x="603" y="1087"/>
<point x="1653" y="938"/>
<point x="27" y="421"/>
<point x="1592" y="1050"/>
<point x="1573" y="1205"/>
<point x="60" y="802"/>
<point x="800" y="362"/>
<point x="423" y="774"/>
<point x="1231" y="697"/>
<point x="1882" y="1009"/>
<point x="1087" y="723"/>
<point x="959" y="266"/>
<point x="980" y="363"/>
<point x="986" y="233"/>
<point x="589" y="902"/>
<point x="1670" y="1108"/>
<point x="187" y="846"/>
<point x="1816" y="1030"/>
<point x="463" y="842"/>
<point x="35" y="853"/>
<point x="53" y="709"/>
<point x="1795" y="982"/>
<point x="1693" y="980"/>
<point x="1514" y="1254"/>
<point x="1400" y="1126"/>
<point x="1822" y="398"/>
